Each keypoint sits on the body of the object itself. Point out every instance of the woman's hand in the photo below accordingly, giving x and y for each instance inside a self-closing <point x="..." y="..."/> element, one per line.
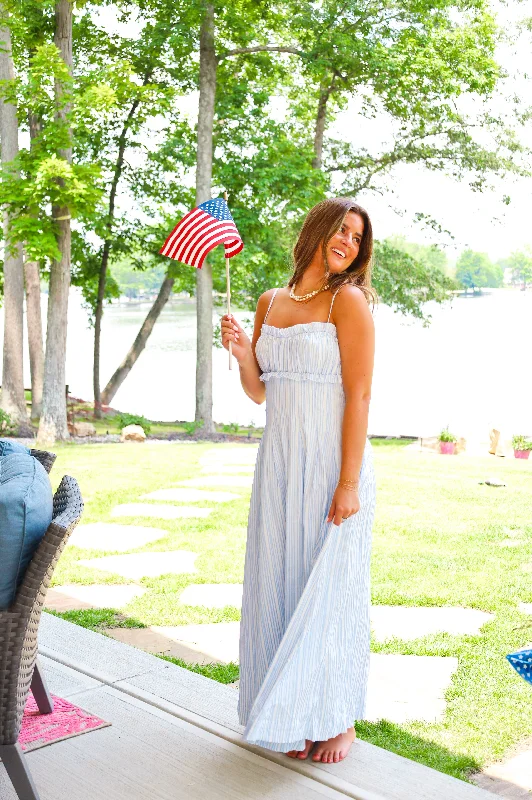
<point x="233" y="332"/>
<point x="344" y="504"/>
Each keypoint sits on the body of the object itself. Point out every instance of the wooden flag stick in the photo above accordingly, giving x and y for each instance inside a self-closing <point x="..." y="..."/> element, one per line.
<point x="228" y="282"/>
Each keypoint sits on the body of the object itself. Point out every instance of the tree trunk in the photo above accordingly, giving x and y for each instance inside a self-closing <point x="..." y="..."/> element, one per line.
<point x="53" y="423"/>
<point x="207" y="87"/>
<point x="139" y="344"/>
<point x="319" y="130"/>
<point x="35" y="339"/>
<point x="102" y="279"/>
<point x="33" y="313"/>
<point x="12" y="398"/>
<point x="98" y="314"/>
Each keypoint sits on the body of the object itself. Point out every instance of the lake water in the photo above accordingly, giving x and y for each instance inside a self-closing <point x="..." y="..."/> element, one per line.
<point x="469" y="369"/>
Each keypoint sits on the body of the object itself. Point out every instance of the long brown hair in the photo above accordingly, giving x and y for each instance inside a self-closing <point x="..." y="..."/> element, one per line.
<point x="320" y="225"/>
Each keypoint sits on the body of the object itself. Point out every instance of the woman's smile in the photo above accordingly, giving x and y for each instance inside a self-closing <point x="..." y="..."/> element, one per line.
<point x="343" y="247"/>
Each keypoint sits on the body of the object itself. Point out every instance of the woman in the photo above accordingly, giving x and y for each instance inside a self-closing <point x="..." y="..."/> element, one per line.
<point x="305" y="629"/>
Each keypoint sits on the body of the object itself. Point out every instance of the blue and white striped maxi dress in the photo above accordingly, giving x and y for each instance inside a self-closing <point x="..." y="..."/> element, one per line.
<point x="305" y="629"/>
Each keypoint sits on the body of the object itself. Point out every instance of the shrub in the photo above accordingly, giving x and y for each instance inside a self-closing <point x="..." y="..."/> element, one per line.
<point x="192" y="427"/>
<point x="123" y="419"/>
<point x="231" y="427"/>
<point x="7" y="426"/>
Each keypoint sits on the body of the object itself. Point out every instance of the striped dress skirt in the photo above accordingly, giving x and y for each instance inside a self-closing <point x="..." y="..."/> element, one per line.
<point x="305" y="629"/>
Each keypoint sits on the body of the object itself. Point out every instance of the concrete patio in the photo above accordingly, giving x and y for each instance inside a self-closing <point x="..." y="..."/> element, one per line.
<point x="175" y="734"/>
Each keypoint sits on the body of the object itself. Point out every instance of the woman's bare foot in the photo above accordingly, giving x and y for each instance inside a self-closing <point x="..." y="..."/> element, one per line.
<point x="301" y="753"/>
<point x="334" y="749"/>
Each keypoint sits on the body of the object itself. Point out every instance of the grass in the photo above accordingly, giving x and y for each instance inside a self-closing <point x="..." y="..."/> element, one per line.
<point x="440" y="538"/>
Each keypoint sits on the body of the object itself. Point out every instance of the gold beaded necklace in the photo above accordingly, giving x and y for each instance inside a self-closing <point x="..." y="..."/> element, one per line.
<point x="304" y="298"/>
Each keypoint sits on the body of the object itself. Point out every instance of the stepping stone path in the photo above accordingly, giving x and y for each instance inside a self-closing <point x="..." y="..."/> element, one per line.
<point x="112" y="536"/>
<point x="230" y="455"/>
<point x="219" y="480"/>
<point x="212" y="595"/>
<point x="408" y="623"/>
<point x="387" y="622"/>
<point x="400" y="688"/>
<point x="227" y="470"/>
<point x="145" y="565"/>
<point x="404" y="688"/>
<point x="76" y="596"/>
<point x="212" y="643"/>
<point x="158" y="512"/>
<point x="526" y="608"/>
<point x="511" y="778"/>
<point x="190" y="495"/>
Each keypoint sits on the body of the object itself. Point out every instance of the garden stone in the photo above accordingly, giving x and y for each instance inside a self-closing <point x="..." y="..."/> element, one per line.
<point x="212" y="595"/>
<point x="403" y="622"/>
<point x="404" y="688"/>
<point x="203" y="644"/>
<point x="132" y="433"/>
<point x="525" y="608"/>
<point x="113" y="536"/>
<point x="219" y="480"/>
<point x="77" y="596"/>
<point x="511" y="778"/>
<point x="231" y="455"/>
<point x="158" y="512"/>
<point x="145" y="565"/>
<point x="228" y="470"/>
<point x="190" y="495"/>
<point x="82" y="429"/>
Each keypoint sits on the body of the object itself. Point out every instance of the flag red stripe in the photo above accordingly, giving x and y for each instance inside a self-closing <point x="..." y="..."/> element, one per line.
<point x="179" y="229"/>
<point x="222" y="233"/>
<point x="197" y="234"/>
<point x="188" y="230"/>
<point x="207" y="245"/>
<point x="199" y="230"/>
<point x="206" y="230"/>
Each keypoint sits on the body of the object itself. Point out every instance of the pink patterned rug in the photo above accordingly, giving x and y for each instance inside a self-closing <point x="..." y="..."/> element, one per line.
<point x="65" y="721"/>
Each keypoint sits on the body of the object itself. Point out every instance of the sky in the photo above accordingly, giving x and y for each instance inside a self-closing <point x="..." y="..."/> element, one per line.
<point x="477" y="220"/>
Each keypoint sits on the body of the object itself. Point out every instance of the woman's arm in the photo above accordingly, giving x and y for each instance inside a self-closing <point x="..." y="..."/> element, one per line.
<point x="356" y="338"/>
<point x="244" y="350"/>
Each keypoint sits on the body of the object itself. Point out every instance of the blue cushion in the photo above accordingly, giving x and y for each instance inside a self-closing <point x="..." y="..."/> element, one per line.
<point x="26" y="508"/>
<point x="7" y="446"/>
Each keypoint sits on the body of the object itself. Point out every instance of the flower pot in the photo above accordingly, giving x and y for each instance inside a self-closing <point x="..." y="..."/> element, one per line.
<point x="447" y="448"/>
<point x="521" y="453"/>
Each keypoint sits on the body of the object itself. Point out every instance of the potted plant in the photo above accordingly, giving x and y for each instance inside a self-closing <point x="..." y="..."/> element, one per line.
<point x="447" y="442"/>
<point x="522" y="446"/>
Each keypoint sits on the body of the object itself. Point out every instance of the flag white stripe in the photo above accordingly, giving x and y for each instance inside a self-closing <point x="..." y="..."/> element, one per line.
<point x="178" y="231"/>
<point x="187" y="231"/>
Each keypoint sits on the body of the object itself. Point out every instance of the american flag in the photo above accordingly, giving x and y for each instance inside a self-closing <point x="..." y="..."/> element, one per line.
<point x="201" y="230"/>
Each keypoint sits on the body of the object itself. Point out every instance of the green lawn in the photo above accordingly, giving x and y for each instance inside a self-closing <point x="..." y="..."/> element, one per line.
<point x="440" y="538"/>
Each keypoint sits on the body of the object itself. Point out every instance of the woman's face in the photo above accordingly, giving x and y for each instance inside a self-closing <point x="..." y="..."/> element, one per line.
<point x="343" y="247"/>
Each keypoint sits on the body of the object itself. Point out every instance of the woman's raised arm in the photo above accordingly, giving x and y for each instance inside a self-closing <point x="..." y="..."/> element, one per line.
<point x="244" y="350"/>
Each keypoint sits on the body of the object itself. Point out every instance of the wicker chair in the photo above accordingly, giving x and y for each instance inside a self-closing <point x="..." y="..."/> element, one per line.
<point x="18" y="633"/>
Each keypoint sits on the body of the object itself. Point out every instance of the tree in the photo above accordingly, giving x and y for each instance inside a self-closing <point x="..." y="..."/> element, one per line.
<point x="53" y="422"/>
<point x="12" y="400"/>
<point x="476" y="271"/>
<point x="429" y="254"/>
<point x="414" y="63"/>
<point x="520" y="263"/>
<point x="406" y="283"/>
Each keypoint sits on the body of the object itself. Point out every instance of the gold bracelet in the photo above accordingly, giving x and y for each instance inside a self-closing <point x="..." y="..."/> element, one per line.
<point x="345" y="484"/>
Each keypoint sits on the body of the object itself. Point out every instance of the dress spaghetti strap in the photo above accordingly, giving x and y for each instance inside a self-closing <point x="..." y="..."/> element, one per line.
<point x="271" y="301"/>
<point x="332" y="301"/>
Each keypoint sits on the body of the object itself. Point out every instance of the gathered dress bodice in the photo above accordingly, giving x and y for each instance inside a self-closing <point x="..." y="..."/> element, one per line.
<point x="307" y="351"/>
